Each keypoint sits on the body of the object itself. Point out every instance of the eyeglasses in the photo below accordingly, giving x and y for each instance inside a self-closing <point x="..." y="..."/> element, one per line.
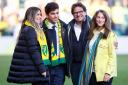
<point x="79" y="12"/>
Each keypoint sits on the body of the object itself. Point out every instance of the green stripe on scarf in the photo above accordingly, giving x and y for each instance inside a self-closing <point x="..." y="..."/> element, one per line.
<point x="86" y="67"/>
<point x="56" y="60"/>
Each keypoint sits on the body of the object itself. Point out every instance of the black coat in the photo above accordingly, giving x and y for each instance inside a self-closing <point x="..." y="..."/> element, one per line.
<point x="76" y="48"/>
<point x="26" y="65"/>
<point x="64" y="30"/>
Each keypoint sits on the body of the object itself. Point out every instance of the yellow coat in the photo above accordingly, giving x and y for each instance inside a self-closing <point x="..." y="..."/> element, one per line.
<point x="106" y="59"/>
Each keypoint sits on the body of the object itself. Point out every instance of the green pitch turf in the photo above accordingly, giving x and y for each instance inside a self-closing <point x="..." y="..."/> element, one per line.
<point x="122" y="78"/>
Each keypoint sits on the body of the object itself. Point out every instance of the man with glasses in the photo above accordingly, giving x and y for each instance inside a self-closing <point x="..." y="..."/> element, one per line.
<point x="77" y="39"/>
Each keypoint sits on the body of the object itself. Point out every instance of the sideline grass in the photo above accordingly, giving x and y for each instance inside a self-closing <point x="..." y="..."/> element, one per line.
<point x="122" y="78"/>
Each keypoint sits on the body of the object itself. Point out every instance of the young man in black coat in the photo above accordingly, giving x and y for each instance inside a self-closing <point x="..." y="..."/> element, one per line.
<point x="55" y="31"/>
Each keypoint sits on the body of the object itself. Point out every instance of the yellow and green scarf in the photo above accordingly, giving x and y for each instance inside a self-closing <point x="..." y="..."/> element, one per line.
<point x="55" y="60"/>
<point x="43" y="45"/>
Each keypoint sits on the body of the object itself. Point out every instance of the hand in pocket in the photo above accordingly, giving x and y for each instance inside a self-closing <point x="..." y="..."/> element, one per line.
<point x="44" y="74"/>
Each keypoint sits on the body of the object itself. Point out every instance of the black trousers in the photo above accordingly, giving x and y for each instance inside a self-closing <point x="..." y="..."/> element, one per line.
<point x="94" y="82"/>
<point x="75" y="71"/>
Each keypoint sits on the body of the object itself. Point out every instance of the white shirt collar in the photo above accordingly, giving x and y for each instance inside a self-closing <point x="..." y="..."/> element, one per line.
<point x="50" y="25"/>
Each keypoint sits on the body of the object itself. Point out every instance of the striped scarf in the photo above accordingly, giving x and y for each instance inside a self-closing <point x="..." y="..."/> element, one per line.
<point x="87" y="62"/>
<point x="56" y="60"/>
<point x="43" y="45"/>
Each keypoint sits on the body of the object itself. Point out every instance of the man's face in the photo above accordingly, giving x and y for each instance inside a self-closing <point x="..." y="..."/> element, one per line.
<point x="53" y="16"/>
<point x="79" y="14"/>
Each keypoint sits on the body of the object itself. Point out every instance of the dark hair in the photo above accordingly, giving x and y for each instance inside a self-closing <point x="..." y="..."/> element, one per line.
<point x="51" y="7"/>
<point x="78" y="4"/>
<point x="94" y="26"/>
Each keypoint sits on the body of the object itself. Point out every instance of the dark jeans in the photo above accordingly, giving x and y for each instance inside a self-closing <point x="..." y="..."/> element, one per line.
<point x="94" y="82"/>
<point x="57" y="75"/>
<point x="75" y="71"/>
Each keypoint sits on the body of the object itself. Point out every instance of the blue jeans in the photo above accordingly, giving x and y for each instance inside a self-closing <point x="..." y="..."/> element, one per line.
<point x="57" y="75"/>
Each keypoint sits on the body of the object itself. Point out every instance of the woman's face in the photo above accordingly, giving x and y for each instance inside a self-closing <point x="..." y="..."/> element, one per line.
<point x="38" y="17"/>
<point x="100" y="19"/>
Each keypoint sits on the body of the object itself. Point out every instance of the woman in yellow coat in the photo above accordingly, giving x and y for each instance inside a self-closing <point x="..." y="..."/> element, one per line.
<point x="99" y="64"/>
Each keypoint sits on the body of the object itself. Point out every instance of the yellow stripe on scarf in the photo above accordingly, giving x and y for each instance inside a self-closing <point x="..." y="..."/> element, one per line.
<point x="43" y="45"/>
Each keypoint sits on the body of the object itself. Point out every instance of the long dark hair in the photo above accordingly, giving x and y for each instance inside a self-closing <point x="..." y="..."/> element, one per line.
<point x="94" y="26"/>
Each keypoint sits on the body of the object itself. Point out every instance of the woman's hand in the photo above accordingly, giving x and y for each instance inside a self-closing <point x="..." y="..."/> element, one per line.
<point x="116" y="44"/>
<point x="106" y="77"/>
<point x="44" y="74"/>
